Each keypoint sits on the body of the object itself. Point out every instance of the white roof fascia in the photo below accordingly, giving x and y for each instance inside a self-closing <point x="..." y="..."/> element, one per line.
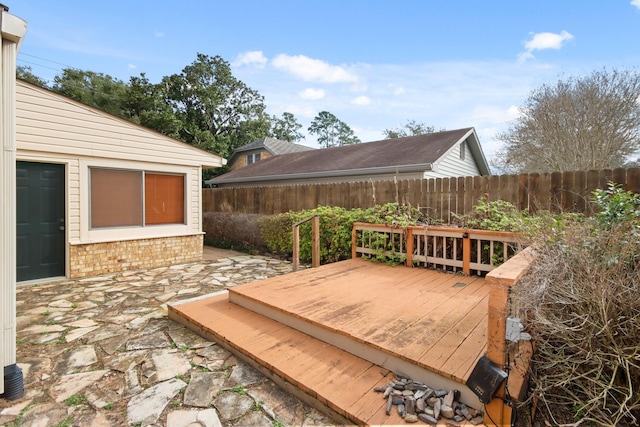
<point x="326" y="174"/>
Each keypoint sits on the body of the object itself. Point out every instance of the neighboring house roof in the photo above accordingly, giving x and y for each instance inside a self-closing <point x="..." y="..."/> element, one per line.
<point x="410" y="154"/>
<point x="272" y="145"/>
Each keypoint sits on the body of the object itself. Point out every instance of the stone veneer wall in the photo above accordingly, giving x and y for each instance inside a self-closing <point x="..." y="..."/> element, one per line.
<point x="110" y="257"/>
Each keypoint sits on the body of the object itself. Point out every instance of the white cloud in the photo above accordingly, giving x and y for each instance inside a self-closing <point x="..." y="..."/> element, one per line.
<point x="132" y="66"/>
<point x="635" y="3"/>
<point x="542" y="41"/>
<point x="255" y="57"/>
<point x="309" y="69"/>
<point x="312" y="94"/>
<point x="361" y="100"/>
<point x="159" y="34"/>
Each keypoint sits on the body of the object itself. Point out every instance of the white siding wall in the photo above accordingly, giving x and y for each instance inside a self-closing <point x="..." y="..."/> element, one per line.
<point x="450" y="165"/>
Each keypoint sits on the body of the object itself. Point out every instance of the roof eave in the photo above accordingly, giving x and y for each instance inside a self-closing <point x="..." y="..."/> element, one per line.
<point x="326" y="174"/>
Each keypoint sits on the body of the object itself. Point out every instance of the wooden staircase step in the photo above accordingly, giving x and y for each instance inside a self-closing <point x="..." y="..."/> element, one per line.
<point x="326" y="377"/>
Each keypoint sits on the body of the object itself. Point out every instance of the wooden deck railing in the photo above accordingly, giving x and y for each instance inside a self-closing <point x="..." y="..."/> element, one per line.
<point x="449" y="249"/>
<point x="315" y="242"/>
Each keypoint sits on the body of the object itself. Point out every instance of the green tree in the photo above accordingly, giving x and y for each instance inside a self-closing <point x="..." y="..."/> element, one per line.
<point x="287" y="128"/>
<point x="145" y="104"/>
<point x="332" y="132"/>
<point x="582" y="123"/>
<point x="25" y="73"/>
<point x="410" y="128"/>
<point x="217" y="112"/>
<point x="94" y="89"/>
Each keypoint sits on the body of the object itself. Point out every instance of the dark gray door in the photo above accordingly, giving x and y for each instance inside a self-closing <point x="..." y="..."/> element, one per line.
<point x="40" y="220"/>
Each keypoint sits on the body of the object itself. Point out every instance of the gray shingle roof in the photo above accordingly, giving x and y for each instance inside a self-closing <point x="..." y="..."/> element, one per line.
<point x="413" y="150"/>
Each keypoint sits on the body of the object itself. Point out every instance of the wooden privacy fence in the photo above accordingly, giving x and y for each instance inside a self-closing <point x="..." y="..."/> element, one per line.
<point x="437" y="197"/>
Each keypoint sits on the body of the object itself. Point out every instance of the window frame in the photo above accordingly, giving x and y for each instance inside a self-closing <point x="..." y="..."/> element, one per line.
<point x="252" y="158"/>
<point x="192" y="204"/>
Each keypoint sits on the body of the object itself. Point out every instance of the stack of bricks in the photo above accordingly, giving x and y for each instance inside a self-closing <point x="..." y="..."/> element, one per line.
<point x="110" y="257"/>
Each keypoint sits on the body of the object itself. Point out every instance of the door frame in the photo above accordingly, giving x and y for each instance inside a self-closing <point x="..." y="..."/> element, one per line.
<point x="65" y="190"/>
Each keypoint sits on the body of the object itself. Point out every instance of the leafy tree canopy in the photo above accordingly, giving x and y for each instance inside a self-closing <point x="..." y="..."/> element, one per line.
<point x="332" y="132"/>
<point x="25" y="73"/>
<point x="287" y="128"/>
<point x="411" y="128"/>
<point x="94" y="89"/>
<point x="581" y="123"/>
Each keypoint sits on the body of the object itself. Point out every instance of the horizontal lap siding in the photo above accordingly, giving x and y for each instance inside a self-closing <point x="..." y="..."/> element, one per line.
<point x="48" y="122"/>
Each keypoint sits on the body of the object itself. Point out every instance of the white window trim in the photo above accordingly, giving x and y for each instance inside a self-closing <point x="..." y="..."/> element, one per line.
<point x="253" y="158"/>
<point x="88" y="235"/>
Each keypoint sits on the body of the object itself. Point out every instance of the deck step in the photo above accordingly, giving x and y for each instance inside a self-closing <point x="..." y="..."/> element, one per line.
<point x="331" y="379"/>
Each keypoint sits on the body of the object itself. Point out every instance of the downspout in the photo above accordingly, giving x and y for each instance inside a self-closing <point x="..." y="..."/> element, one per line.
<point x="13" y="30"/>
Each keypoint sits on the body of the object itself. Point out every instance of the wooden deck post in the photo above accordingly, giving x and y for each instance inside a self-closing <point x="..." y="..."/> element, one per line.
<point x="497" y="412"/>
<point x="315" y="242"/>
<point x="409" y="247"/>
<point x="296" y="247"/>
<point x="466" y="253"/>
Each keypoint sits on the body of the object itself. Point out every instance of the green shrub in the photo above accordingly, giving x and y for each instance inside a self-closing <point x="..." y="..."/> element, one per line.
<point x="394" y="214"/>
<point x="335" y="232"/>
<point x="616" y="206"/>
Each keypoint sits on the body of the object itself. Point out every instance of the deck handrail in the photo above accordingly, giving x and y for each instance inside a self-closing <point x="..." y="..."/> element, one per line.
<point x="447" y="248"/>
<point x="315" y="242"/>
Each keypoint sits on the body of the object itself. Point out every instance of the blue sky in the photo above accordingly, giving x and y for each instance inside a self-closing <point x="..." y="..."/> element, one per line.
<point x="373" y="64"/>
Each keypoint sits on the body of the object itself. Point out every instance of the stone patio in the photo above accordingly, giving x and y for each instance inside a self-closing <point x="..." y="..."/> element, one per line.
<point x="100" y="351"/>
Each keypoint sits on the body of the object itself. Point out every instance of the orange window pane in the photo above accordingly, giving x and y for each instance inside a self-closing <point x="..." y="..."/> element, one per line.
<point x="164" y="199"/>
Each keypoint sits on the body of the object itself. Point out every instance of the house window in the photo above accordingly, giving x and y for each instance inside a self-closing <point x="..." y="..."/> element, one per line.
<point x="462" y="150"/>
<point x="129" y="198"/>
<point x="252" y="158"/>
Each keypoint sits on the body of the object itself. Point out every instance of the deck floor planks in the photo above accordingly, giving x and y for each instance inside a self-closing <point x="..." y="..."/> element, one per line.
<point x="417" y="317"/>
<point x="450" y="343"/>
<point x="441" y="323"/>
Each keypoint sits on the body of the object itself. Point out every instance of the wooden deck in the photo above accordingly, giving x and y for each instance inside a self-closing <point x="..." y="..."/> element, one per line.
<point x="325" y="333"/>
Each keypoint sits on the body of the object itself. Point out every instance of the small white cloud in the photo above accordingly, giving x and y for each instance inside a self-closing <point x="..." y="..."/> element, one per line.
<point x="513" y="112"/>
<point x="309" y="69"/>
<point x="542" y="41"/>
<point x="361" y="100"/>
<point x="396" y="89"/>
<point x="159" y="34"/>
<point x="132" y="66"/>
<point x="312" y="94"/>
<point x="301" y="110"/>
<point x="635" y="3"/>
<point x="255" y="57"/>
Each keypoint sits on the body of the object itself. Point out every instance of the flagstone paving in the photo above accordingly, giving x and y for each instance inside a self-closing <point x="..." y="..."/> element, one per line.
<point x="101" y="351"/>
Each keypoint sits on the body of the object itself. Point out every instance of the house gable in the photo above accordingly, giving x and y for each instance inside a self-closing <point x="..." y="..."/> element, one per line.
<point x="262" y="148"/>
